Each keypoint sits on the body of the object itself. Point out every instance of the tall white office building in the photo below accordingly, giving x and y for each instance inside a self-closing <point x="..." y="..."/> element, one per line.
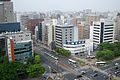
<point x="64" y="34"/>
<point x="102" y="31"/>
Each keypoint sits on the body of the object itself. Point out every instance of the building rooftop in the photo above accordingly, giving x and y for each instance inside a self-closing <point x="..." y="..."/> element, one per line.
<point x="18" y="32"/>
<point x="65" y="26"/>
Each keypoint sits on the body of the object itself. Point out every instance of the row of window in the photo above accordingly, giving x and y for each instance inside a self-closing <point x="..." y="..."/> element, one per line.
<point x="109" y="25"/>
<point x="108" y="36"/>
<point x="108" y="33"/>
<point x="96" y="30"/>
<point x="96" y="36"/>
<point x="20" y="36"/>
<point x="66" y="29"/>
<point x="108" y="30"/>
<point x="74" y="46"/>
<point x="108" y="39"/>
<point x="95" y="33"/>
<point x="95" y="41"/>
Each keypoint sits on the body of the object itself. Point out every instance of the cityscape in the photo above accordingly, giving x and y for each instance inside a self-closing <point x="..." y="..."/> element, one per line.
<point x="55" y="41"/>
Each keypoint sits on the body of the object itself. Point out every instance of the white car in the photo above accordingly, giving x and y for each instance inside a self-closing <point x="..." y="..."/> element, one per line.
<point x="116" y="64"/>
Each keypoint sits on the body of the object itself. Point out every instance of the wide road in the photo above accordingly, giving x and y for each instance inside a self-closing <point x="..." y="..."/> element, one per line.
<point x="62" y="66"/>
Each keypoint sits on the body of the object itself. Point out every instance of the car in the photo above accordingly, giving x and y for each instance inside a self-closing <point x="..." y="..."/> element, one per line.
<point x="117" y="72"/>
<point x="83" y="72"/>
<point x="95" y="71"/>
<point x="116" y="64"/>
<point x="94" y="75"/>
<point x="79" y="76"/>
<point x="116" y="67"/>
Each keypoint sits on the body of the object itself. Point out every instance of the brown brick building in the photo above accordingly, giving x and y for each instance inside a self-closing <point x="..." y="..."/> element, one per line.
<point x="32" y="23"/>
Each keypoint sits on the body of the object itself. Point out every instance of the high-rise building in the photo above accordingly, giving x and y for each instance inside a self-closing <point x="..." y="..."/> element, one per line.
<point x="38" y="32"/>
<point x="23" y="21"/>
<point x="65" y="33"/>
<point x="102" y="31"/>
<point x="117" y="27"/>
<point x="47" y="34"/>
<point x="32" y="23"/>
<point x="6" y="11"/>
<point x="91" y="18"/>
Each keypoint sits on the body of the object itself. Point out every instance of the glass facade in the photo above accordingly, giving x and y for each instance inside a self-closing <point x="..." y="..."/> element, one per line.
<point x="9" y="27"/>
<point x="40" y="31"/>
<point x="2" y="46"/>
<point x="22" y="50"/>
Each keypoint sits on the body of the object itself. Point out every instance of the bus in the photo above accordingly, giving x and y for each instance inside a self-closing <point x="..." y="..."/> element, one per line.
<point x="73" y="62"/>
<point x="100" y="63"/>
<point x="91" y="57"/>
<point x="55" y="58"/>
<point x="52" y="56"/>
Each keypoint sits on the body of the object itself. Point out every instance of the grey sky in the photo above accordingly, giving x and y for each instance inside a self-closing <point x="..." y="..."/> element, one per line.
<point x="66" y="5"/>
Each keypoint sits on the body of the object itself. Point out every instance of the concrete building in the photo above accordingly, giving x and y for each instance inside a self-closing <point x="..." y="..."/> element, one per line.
<point x="19" y="45"/>
<point x="78" y="47"/>
<point x="102" y="31"/>
<point x="47" y="34"/>
<point x="6" y="11"/>
<point x="65" y="33"/>
<point x="53" y="23"/>
<point x="91" y="18"/>
<point x="23" y="21"/>
<point x="83" y="30"/>
<point x="117" y="27"/>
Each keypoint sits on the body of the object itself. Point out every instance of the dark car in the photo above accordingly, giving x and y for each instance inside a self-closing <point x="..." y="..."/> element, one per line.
<point x="116" y="67"/>
<point x="83" y="72"/>
<point x="79" y="76"/>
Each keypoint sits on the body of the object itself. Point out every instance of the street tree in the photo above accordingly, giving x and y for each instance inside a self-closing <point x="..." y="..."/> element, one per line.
<point x="37" y="59"/>
<point x="35" y="70"/>
<point x="105" y="55"/>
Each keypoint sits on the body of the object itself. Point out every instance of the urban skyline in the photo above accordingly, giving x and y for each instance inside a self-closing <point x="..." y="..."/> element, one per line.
<point x="66" y="5"/>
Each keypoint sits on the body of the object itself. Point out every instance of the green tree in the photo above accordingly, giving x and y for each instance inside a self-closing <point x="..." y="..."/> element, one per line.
<point x="3" y="59"/>
<point x="105" y="55"/>
<point x="63" y="52"/>
<point x="37" y="59"/>
<point x="35" y="70"/>
<point x="20" y="68"/>
<point x="7" y="72"/>
<point x="106" y="45"/>
<point x="30" y="60"/>
<point x="116" y="52"/>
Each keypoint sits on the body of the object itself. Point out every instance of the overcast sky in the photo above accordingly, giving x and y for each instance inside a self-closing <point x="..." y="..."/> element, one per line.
<point x="66" y="5"/>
